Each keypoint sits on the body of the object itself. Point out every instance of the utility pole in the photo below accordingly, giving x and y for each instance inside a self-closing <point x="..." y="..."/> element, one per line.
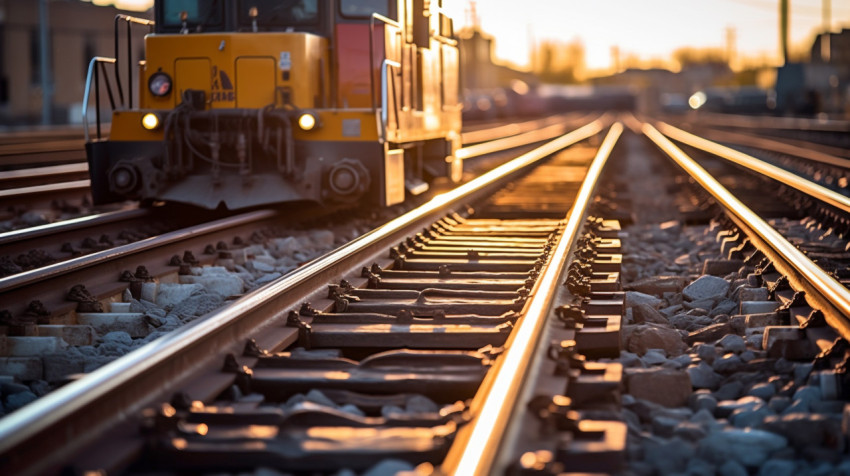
<point x="825" y="46"/>
<point x="730" y="45"/>
<point x="44" y="55"/>
<point x="783" y="29"/>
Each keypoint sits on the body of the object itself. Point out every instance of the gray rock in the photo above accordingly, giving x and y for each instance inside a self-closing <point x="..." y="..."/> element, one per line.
<point x="779" y="403"/>
<point x="733" y="343"/>
<point x="747" y="356"/>
<point x="118" y="337"/>
<point x="630" y="359"/>
<point x="750" y="417"/>
<point x="658" y="285"/>
<point x="755" y="340"/>
<point x="732" y="468"/>
<point x="322" y="239"/>
<point x="690" y="431"/>
<point x="668" y="456"/>
<point x="705" y="401"/>
<point x="706" y="287"/>
<point x="706" y="352"/>
<point x="804" y="429"/>
<point x="778" y="467"/>
<point x="802" y="370"/>
<point x="729" y="363"/>
<point x="663" y="426"/>
<point x="750" y="448"/>
<point x="267" y="278"/>
<point x="753" y="294"/>
<point x="645" y="337"/>
<point x="681" y="362"/>
<point x="643" y="313"/>
<point x="17" y="400"/>
<point x="763" y="390"/>
<point x="710" y="333"/>
<point x="316" y="396"/>
<point x="704" y="305"/>
<point x="703" y="376"/>
<point x="645" y="384"/>
<point x="388" y="467"/>
<point x="262" y="267"/>
<point x="725" y="408"/>
<point x="634" y="298"/>
<point x="729" y="391"/>
<point x="351" y="409"/>
<point x="418" y="404"/>
<point x="170" y="294"/>
<point x="726" y="306"/>
<point x="654" y="357"/>
<point x="700" y="467"/>
<point x="285" y="246"/>
<point x="8" y="388"/>
<point x="807" y="394"/>
<point x="40" y="387"/>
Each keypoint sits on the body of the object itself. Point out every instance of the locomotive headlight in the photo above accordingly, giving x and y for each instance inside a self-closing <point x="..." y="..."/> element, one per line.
<point x="159" y="84"/>
<point x="150" y="121"/>
<point x="307" y="121"/>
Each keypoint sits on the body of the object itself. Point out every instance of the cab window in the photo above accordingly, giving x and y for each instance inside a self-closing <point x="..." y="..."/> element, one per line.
<point x="280" y="13"/>
<point x="199" y="13"/>
<point x="363" y="8"/>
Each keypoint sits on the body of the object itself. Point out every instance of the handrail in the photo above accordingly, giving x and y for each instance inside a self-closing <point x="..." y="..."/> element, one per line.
<point x="93" y="72"/>
<point x="385" y="66"/>
<point x="390" y="22"/>
<point x="130" y="21"/>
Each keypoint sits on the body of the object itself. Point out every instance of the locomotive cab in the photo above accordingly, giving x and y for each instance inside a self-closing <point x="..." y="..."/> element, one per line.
<point x="249" y="102"/>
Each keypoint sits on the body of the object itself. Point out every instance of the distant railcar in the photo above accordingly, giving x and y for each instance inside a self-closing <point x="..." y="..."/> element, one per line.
<point x="251" y="102"/>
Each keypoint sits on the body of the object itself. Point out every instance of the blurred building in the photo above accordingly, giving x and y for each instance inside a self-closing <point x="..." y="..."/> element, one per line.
<point x="78" y="31"/>
<point x="478" y="69"/>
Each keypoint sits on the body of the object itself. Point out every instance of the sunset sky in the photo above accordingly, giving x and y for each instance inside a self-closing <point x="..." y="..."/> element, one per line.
<point x="645" y="28"/>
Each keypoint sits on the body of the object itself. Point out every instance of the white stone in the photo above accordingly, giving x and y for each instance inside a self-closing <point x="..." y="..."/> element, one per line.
<point x="322" y="239"/>
<point x="170" y="294"/>
<point x="224" y="285"/>
<point x="133" y="323"/>
<point x="148" y="292"/>
<point x="285" y="246"/>
<point x="267" y="278"/>
<point x="26" y="346"/>
<point x="22" y="368"/>
<point x="119" y="307"/>
<point x="72" y="335"/>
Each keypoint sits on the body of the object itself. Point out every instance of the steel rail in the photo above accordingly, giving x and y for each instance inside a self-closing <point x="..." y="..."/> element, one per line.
<point x="478" y="446"/>
<point x="519" y="140"/>
<point x="485" y="134"/>
<point x="73" y="224"/>
<point x="768" y="170"/>
<point x="811" y="151"/>
<point x="17" y="193"/>
<point x="767" y="122"/>
<point x="41" y="175"/>
<point x="70" y="417"/>
<point x="822" y="290"/>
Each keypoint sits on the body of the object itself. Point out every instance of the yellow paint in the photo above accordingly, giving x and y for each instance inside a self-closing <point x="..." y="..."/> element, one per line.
<point x="189" y="73"/>
<point x="209" y="61"/>
<point x="255" y="82"/>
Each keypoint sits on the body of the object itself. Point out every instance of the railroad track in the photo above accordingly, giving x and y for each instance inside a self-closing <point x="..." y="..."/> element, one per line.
<point x="443" y="339"/>
<point x="451" y="243"/>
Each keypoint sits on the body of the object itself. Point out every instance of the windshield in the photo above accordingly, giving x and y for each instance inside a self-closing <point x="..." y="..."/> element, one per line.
<point x="203" y="13"/>
<point x="363" y="8"/>
<point x="278" y="13"/>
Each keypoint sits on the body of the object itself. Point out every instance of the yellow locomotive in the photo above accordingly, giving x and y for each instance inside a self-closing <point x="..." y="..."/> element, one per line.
<point x="249" y="102"/>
